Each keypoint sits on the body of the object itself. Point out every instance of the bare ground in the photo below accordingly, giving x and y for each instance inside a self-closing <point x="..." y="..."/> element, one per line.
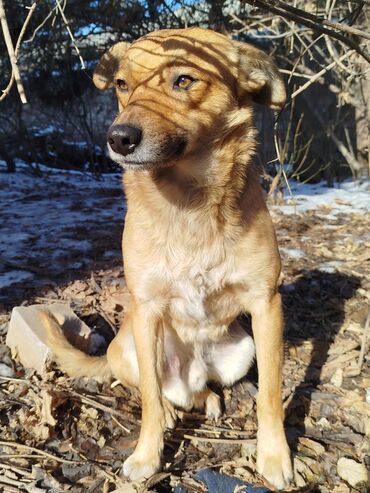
<point x="59" y="434"/>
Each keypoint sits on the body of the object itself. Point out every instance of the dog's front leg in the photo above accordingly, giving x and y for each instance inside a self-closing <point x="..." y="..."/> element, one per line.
<point x="273" y="455"/>
<point x="146" y="458"/>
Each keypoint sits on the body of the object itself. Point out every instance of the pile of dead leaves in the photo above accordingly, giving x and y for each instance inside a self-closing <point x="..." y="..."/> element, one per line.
<point x="59" y="434"/>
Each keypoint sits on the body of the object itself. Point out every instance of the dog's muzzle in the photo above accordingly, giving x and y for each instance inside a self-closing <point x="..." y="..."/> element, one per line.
<point x="123" y="139"/>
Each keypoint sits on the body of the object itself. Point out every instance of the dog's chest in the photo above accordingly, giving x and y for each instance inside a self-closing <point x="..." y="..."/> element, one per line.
<point x="204" y="298"/>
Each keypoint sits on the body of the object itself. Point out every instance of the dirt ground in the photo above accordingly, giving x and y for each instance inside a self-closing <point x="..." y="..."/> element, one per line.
<point x="59" y="434"/>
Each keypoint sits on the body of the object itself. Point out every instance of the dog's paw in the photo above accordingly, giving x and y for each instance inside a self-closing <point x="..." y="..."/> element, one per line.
<point x="169" y="414"/>
<point x="274" y="464"/>
<point x="213" y="406"/>
<point x="209" y="401"/>
<point x="136" y="467"/>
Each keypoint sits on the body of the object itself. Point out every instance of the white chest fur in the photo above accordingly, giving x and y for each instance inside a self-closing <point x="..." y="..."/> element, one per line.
<point x="202" y="302"/>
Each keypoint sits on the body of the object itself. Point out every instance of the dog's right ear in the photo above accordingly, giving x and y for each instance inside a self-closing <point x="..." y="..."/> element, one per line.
<point x="105" y="71"/>
<point x="259" y="78"/>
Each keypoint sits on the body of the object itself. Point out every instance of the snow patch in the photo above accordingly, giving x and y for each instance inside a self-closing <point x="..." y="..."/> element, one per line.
<point x="292" y="252"/>
<point x="9" y="278"/>
<point x="344" y="198"/>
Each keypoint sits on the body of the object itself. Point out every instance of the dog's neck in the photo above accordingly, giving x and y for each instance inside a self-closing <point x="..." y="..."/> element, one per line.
<point x="221" y="183"/>
<point x="214" y="176"/>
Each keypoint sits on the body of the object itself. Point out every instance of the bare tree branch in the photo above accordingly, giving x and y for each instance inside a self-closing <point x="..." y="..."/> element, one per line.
<point x="311" y="21"/>
<point x="325" y="22"/>
<point x="83" y="66"/>
<point x="13" y="53"/>
<point x="317" y="76"/>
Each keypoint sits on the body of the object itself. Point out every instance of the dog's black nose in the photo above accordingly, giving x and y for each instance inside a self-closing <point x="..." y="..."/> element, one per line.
<point x="123" y="139"/>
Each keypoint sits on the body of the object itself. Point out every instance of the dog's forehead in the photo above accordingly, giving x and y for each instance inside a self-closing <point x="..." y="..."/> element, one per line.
<point x="198" y="48"/>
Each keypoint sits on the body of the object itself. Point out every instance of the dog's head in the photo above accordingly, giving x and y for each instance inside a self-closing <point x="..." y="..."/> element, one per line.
<point x="176" y="89"/>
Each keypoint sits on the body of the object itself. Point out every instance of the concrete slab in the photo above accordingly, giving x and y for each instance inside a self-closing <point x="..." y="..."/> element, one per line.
<point x="27" y="334"/>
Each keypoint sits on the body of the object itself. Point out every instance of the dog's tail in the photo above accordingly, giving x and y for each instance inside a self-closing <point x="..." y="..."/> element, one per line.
<point x="71" y="360"/>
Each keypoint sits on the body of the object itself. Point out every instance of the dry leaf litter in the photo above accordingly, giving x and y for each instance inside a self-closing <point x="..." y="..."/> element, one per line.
<point x="58" y="434"/>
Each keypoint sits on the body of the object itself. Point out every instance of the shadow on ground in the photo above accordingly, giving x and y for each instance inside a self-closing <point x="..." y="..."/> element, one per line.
<point x="314" y="308"/>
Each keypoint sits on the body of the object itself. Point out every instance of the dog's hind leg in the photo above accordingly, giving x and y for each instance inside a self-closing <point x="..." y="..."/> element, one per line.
<point x="209" y="401"/>
<point x="230" y="358"/>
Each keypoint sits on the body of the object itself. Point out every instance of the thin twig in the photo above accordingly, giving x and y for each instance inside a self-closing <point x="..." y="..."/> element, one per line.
<point x="98" y="405"/>
<point x="309" y="20"/>
<point x="235" y="441"/>
<point x="13" y="53"/>
<point x="127" y="430"/>
<point x="83" y="66"/>
<point x="364" y="340"/>
<point x="317" y="76"/>
<point x="38" y="451"/>
<point x="54" y="9"/>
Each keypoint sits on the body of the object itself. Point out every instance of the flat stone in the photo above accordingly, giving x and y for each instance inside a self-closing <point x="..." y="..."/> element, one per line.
<point x="354" y="473"/>
<point x="27" y="333"/>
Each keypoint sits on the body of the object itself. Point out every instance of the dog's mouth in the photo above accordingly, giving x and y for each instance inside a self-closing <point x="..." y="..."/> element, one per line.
<point x="143" y="158"/>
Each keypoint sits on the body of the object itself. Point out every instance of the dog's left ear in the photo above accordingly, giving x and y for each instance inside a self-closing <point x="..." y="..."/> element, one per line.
<point x="259" y="78"/>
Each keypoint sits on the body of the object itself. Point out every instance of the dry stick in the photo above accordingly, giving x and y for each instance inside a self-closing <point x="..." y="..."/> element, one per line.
<point x="41" y="24"/>
<point x="38" y="451"/>
<point x="280" y="160"/>
<point x="12" y="482"/>
<point x="221" y="440"/>
<point x="121" y="425"/>
<point x="217" y="431"/>
<point x="313" y="23"/>
<point x="325" y="22"/>
<point x="17" y="470"/>
<point x="319" y="74"/>
<point x="17" y="46"/>
<point x="364" y="340"/>
<point x="14" y="53"/>
<point x="97" y="405"/>
<point x="335" y="56"/>
<point x="83" y="66"/>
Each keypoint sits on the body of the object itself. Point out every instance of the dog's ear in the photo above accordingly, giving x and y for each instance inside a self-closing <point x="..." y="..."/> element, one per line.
<point x="259" y="78"/>
<point x="108" y="65"/>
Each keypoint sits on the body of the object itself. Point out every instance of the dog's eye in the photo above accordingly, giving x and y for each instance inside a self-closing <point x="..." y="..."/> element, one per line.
<point x="121" y="84"/>
<point x="183" y="82"/>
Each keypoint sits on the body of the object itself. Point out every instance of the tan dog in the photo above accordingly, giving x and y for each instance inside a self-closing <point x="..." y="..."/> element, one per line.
<point x="199" y="247"/>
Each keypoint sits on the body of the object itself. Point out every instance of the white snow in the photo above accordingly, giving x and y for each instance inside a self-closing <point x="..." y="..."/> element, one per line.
<point x="347" y="197"/>
<point x="331" y="266"/>
<point x="292" y="252"/>
<point x="15" y="276"/>
<point x="54" y="222"/>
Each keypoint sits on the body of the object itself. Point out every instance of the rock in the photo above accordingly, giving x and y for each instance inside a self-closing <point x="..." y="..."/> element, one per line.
<point x="248" y="449"/>
<point x="75" y="472"/>
<point x="310" y="447"/>
<point x="27" y="334"/>
<point x="352" y="472"/>
<point x="337" y="378"/>
<point x="5" y="371"/>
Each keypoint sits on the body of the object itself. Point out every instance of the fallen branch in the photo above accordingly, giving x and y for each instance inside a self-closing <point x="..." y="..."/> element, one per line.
<point x="234" y="441"/>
